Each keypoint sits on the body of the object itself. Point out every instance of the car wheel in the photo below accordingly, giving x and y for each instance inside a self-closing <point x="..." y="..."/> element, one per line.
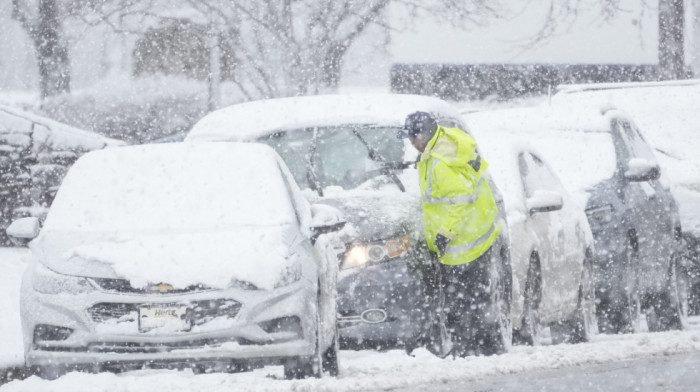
<point x="583" y="324"/>
<point x="321" y="361"/>
<point x="527" y="333"/>
<point x="497" y="339"/>
<point x="618" y="306"/>
<point x="329" y="359"/>
<point x="668" y="310"/>
<point x="49" y="372"/>
<point x="301" y="367"/>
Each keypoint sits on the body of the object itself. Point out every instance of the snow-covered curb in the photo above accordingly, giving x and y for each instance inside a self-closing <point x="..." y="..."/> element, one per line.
<point x="390" y="370"/>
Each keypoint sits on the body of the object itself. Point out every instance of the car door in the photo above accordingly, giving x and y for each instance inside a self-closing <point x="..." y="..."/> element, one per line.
<point x="650" y="206"/>
<point x="561" y="244"/>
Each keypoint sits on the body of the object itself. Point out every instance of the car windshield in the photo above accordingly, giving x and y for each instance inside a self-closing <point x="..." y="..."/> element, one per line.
<point x="337" y="156"/>
<point x="172" y="188"/>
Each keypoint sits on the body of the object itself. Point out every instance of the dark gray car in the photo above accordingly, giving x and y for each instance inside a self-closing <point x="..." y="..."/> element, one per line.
<point x="605" y="162"/>
<point x="342" y="149"/>
<point x="35" y="153"/>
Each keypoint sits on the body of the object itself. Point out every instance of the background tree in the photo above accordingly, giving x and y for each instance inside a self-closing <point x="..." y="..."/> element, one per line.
<point x="671" y="39"/>
<point x="42" y="23"/>
<point x="287" y="47"/>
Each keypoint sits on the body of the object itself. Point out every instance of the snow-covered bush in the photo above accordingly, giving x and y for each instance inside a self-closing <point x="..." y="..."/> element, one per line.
<point x="134" y="110"/>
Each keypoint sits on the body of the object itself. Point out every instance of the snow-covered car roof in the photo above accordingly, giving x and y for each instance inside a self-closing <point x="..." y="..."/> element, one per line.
<point x="667" y="116"/>
<point x="250" y="120"/>
<point x="665" y="112"/>
<point x="60" y="136"/>
<point x="568" y="140"/>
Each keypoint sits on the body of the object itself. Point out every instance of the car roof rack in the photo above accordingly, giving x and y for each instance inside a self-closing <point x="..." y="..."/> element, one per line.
<point x="576" y="88"/>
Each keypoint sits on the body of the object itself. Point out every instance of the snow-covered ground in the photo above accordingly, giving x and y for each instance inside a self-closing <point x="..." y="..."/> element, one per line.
<point x="360" y="370"/>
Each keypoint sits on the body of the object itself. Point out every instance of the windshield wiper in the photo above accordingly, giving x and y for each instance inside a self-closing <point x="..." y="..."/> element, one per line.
<point x="311" y="175"/>
<point x="387" y="168"/>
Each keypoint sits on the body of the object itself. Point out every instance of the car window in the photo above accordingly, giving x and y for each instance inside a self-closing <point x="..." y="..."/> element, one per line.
<point x="634" y="143"/>
<point x="537" y="175"/>
<point x="337" y="155"/>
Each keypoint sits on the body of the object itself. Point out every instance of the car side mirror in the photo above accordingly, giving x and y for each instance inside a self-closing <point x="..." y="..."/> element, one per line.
<point x="24" y="230"/>
<point x="325" y="219"/>
<point x="544" y="201"/>
<point x="640" y="169"/>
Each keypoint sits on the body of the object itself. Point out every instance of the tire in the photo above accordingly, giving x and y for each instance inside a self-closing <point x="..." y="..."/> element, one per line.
<point x="527" y="333"/>
<point x="694" y="299"/>
<point x="302" y="367"/>
<point x="321" y="361"/>
<point x="49" y="372"/>
<point x="329" y="358"/>
<point x="583" y="324"/>
<point x="668" y="310"/>
<point x="497" y="337"/>
<point x="618" y="305"/>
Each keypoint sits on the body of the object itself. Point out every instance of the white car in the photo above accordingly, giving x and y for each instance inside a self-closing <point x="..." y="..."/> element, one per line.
<point x="200" y="255"/>
<point x="551" y="243"/>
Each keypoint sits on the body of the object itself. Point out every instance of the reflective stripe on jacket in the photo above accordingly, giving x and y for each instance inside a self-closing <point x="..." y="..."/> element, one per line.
<point x="457" y="199"/>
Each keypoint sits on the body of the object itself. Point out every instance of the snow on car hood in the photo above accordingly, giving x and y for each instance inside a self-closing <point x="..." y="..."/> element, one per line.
<point x="256" y="255"/>
<point x="379" y="213"/>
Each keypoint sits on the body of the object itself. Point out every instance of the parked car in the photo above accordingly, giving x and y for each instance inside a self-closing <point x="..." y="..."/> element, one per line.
<point x="667" y="115"/>
<point x="35" y="153"/>
<point x="551" y="243"/>
<point x="612" y="173"/>
<point x="342" y="149"/>
<point x="129" y="269"/>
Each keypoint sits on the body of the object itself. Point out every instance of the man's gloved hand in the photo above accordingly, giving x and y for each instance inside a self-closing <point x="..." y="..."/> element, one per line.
<point x="441" y="244"/>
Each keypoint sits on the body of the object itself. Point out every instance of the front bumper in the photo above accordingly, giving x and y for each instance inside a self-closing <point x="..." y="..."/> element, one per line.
<point x="241" y="337"/>
<point x="389" y="288"/>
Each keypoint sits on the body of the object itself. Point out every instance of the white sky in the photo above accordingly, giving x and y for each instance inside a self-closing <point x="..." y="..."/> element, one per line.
<point x="589" y="40"/>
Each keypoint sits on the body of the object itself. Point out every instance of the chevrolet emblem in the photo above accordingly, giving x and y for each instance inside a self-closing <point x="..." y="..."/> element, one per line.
<point x="163" y="287"/>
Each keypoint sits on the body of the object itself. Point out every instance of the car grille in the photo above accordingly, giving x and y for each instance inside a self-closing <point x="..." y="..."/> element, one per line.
<point x="199" y="312"/>
<point x="130" y="347"/>
<point x="124" y="286"/>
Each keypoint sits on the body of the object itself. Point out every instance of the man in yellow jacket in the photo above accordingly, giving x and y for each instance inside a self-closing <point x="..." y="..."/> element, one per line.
<point x="462" y="228"/>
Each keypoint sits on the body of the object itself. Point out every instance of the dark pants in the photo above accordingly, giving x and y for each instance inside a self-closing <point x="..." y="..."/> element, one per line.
<point x="467" y="296"/>
<point x="460" y="299"/>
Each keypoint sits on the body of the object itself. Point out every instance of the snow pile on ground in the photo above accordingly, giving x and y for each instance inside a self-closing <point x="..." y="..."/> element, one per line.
<point x="368" y="370"/>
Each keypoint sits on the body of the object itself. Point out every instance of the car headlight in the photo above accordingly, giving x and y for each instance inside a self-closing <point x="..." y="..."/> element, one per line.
<point x="599" y="216"/>
<point x="375" y="252"/>
<point x="46" y="281"/>
<point x="289" y="275"/>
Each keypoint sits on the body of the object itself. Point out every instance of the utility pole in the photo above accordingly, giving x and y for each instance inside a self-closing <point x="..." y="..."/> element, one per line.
<point x="695" y="37"/>
<point x="214" y="76"/>
<point x="671" y="39"/>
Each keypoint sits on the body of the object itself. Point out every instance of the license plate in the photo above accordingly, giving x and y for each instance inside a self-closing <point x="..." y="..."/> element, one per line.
<point x="163" y="318"/>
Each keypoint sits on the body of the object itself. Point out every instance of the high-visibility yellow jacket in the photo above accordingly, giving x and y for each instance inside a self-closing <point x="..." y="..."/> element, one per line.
<point x="457" y="199"/>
